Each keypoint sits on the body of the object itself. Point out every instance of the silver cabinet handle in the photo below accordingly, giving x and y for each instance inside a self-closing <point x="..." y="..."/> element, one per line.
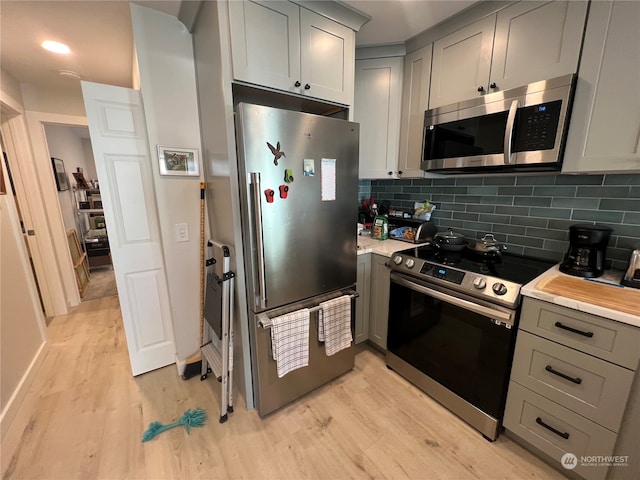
<point x="459" y="302"/>
<point x="508" y="133"/>
<point x="257" y="225"/>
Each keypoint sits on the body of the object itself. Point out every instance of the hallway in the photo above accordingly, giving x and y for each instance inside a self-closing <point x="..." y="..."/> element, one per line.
<point x="84" y="416"/>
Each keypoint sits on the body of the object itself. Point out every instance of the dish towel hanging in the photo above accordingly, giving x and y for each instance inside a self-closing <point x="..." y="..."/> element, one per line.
<point x="334" y="324"/>
<point x="290" y="341"/>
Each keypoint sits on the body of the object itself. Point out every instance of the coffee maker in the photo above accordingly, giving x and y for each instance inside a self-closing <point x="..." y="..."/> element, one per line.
<point x="587" y="250"/>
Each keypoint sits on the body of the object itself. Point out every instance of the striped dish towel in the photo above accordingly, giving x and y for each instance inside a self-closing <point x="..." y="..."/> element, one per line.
<point x="334" y="324"/>
<point x="290" y="341"/>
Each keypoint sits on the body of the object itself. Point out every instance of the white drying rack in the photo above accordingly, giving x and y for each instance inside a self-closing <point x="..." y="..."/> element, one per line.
<point x="217" y="350"/>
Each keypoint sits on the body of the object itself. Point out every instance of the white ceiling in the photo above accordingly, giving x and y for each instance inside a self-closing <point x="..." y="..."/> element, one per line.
<point x="99" y="34"/>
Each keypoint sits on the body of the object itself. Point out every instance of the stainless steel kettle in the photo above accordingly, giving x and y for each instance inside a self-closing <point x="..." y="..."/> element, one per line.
<point x="632" y="275"/>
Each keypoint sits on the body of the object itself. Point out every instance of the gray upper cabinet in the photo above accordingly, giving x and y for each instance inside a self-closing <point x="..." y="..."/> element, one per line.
<point x="461" y="63"/>
<point x="605" y="122"/>
<point x="415" y="100"/>
<point x="378" y="84"/>
<point x="535" y="41"/>
<point x="283" y="46"/>
<point x="522" y="43"/>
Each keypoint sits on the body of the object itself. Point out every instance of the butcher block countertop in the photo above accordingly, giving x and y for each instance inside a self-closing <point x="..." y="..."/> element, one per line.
<point x="602" y="296"/>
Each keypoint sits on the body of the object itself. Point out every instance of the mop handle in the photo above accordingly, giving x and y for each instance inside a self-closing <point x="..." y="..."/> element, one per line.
<point x="202" y="190"/>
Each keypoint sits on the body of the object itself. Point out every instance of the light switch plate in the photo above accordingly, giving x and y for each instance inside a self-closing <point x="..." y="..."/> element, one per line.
<point x="182" y="232"/>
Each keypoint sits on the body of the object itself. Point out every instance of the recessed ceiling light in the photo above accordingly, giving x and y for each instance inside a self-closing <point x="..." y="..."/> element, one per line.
<point x="56" y="47"/>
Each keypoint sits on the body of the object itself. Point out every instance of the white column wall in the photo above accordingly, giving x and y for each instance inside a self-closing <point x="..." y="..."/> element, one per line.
<point x="167" y="81"/>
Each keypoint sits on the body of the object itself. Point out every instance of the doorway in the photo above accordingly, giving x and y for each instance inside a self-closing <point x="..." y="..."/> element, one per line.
<point x="81" y="206"/>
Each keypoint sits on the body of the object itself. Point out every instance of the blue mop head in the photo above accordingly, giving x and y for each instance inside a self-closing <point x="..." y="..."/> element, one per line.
<point x="190" y="418"/>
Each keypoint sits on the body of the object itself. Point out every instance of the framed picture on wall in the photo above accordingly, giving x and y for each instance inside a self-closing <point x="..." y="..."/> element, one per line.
<point x="60" y="174"/>
<point x="178" y="161"/>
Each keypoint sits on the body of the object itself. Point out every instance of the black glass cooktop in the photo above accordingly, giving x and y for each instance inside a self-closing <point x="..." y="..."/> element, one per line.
<point x="508" y="266"/>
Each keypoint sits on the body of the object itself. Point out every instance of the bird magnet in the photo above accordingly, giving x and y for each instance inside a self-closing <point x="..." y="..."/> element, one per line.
<point x="277" y="153"/>
<point x="284" y="191"/>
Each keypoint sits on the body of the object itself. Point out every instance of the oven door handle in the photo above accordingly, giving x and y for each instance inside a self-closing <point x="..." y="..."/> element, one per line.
<point x="459" y="302"/>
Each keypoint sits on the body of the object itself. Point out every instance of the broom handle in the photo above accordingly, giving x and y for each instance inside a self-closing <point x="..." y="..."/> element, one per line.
<point x="202" y="190"/>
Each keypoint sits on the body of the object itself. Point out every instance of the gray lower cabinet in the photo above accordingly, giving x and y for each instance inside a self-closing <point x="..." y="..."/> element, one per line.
<point x="379" y="305"/>
<point x="570" y="382"/>
<point x="363" y="287"/>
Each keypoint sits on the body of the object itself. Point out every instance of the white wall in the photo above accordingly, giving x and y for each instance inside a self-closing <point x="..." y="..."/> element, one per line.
<point x="168" y="86"/>
<point x="22" y="337"/>
<point x="20" y="311"/>
<point x="63" y="101"/>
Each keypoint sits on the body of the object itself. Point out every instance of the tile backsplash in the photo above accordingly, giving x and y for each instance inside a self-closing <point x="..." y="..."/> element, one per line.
<point x="531" y="214"/>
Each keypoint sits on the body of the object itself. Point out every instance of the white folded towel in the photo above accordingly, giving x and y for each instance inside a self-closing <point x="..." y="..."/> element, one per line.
<point x="290" y="341"/>
<point x="334" y="324"/>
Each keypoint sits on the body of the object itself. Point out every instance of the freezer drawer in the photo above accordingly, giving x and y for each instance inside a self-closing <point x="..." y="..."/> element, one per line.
<point x="273" y="392"/>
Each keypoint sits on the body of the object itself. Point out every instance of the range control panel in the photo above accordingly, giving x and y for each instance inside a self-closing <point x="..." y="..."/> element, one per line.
<point x="443" y="273"/>
<point x="486" y="287"/>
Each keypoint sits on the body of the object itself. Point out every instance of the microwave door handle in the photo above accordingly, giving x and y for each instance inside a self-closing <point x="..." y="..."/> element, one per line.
<point x="508" y="134"/>
<point x="257" y="226"/>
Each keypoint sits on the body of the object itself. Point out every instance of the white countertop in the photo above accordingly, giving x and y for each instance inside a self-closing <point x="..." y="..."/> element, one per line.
<point x="530" y="290"/>
<point x="386" y="248"/>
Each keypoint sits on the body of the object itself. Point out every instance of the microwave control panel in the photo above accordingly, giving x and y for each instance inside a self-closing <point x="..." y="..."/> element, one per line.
<point x="536" y="126"/>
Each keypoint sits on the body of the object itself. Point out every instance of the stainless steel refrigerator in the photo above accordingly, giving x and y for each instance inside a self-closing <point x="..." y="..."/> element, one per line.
<point x="298" y="177"/>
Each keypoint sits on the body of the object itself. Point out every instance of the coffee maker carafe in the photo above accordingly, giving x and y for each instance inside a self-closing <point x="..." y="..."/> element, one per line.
<point x="586" y="256"/>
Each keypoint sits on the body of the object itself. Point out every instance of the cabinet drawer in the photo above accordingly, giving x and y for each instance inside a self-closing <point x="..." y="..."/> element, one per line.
<point x="582" y="383"/>
<point x="607" y="339"/>
<point x="526" y="415"/>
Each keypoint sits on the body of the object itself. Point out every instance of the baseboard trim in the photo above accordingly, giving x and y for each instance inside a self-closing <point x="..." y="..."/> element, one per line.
<point x="12" y="413"/>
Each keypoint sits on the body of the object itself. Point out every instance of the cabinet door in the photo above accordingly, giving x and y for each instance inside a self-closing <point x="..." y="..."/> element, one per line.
<point x="604" y="135"/>
<point x="415" y="100"/>
<point x="461" y="63"/>
<point x="327" y="58"/>
<point x="535" y="41"/>
<point x="377" y="110"/>
<point x="265" y="43"/>
<point x="379" y="308"/>
<point x="363" y="287"/>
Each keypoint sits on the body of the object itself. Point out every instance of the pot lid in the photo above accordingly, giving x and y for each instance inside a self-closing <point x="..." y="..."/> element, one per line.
<point x="449" y="234"/>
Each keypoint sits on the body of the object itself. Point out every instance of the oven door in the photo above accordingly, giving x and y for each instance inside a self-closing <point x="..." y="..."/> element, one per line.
<point x="462" y="343"/>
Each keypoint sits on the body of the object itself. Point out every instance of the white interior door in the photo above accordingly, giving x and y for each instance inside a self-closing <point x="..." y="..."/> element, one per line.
<point x="123" y="164"/>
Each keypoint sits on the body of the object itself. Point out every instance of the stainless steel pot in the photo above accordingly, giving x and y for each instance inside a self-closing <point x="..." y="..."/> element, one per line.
<point x="487" y="244"/>
<point x="449" y="241"/>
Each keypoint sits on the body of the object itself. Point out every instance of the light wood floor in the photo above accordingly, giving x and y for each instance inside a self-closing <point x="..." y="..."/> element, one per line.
<point x="84" y="417"/>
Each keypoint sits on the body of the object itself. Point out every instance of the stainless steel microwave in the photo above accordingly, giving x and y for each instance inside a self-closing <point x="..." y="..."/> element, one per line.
<point x="519" y="129"/>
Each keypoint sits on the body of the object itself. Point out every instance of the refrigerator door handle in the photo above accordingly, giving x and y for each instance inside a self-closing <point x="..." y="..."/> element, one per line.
<point x="257" y="225"/>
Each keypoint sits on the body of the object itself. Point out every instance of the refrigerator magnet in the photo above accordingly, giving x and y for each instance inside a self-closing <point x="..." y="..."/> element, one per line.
<point x="277" y="153"/>
<point x="269" y="194"/>
<point x="288" y="175"/>
<point x="309" y="167"/>
<point x="284" y="191"/>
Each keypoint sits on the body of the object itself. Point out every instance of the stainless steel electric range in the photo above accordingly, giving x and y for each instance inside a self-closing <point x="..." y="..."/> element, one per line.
<point x="453" y="318"/>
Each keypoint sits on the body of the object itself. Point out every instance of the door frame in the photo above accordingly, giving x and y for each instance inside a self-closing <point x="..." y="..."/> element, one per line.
<point x="32" y="197"/>
<point x="36" y="122"/>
